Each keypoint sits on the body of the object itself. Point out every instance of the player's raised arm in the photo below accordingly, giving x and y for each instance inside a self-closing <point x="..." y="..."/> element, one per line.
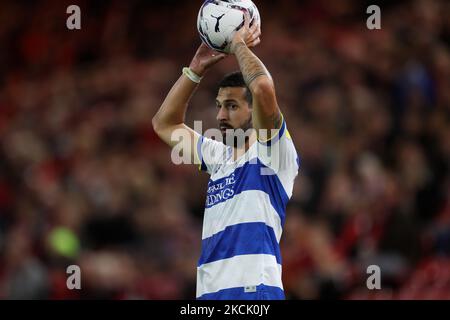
<point x="171" y="114"/>
<point x="266" y="113"/>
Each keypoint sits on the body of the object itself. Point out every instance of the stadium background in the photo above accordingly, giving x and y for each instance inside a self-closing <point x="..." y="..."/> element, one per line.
<point x="84" y="180"/>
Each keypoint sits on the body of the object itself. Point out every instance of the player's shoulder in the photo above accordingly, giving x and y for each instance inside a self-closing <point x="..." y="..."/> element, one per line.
<point x="281" y="135"/>
<point x="212" y="153"/>
<point x="279" y="153"/>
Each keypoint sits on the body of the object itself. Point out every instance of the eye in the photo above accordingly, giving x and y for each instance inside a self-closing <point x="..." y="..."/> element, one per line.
<point x="233" y="106"/>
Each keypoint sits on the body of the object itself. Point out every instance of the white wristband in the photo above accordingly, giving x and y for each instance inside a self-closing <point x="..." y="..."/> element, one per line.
<point x="191" y="75"/>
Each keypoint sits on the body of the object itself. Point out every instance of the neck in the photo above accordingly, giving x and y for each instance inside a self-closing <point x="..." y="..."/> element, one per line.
<point x="239" y="151"/>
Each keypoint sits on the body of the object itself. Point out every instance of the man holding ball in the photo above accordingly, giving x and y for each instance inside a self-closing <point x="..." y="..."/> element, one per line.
<point x="252" y="172"/>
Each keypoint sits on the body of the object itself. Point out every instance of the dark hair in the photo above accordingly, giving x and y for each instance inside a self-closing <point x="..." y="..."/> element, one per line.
<point x="236" y="79"/>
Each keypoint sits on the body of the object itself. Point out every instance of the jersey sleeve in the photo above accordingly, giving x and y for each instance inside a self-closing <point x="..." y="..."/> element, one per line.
<point x="280" y="156"/>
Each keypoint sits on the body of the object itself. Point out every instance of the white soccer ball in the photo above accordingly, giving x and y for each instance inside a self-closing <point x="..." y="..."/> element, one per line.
<point x="218" y="20"/>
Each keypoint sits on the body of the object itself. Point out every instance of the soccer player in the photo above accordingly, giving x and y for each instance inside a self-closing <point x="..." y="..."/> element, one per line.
<point x="251" y="175"/>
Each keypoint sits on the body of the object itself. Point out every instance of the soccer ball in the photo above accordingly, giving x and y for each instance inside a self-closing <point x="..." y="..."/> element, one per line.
<point x="218" y="20"/>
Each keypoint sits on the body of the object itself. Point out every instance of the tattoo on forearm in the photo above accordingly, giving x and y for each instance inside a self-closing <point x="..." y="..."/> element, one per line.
<point x="249" y="79"/>
<point x="250" y="65"/>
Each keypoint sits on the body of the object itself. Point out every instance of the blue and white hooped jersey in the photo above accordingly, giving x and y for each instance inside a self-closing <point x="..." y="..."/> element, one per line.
<point x="244" y="216"/>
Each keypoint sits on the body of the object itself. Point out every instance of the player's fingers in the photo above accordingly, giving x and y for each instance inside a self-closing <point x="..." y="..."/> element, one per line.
<point x="255" y="35"/>
<point x="246" y="19"/>
<point x="255" y="29"/>
<point x="254" y="43"/>
<point x="220" y="56"/>
<point x="254" y="26"/>
<point x="250" y="40"/>
<point x="217" y="57"/>
<point x="252" y="37"/>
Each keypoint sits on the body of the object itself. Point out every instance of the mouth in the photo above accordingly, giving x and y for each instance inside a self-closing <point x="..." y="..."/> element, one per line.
<point x="223" y="129"/>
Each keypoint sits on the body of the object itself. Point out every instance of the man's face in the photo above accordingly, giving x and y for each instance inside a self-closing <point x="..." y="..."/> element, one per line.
<point x="234" y="112"/>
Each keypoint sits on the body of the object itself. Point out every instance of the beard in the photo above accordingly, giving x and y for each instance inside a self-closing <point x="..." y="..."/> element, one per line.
<point x="237" y="137"/>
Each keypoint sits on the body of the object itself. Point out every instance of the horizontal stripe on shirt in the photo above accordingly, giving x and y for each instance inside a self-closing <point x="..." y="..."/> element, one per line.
<point x="240" y="239"/>
<point x="248" y="206"/>
<point x="239" y="271"/>
<point x="244" y="178"/>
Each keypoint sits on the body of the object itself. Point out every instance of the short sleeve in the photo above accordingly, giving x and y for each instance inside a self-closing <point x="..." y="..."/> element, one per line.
<point x="211" y="154"/>
<point x="280" y="156"/>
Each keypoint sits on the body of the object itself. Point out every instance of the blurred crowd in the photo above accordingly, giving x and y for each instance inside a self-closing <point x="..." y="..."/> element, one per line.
<point x="85" y="181"/>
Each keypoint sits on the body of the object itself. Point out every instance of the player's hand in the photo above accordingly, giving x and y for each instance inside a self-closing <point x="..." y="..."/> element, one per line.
<point x="204" y="59"/>
<point x="246" y="34"/>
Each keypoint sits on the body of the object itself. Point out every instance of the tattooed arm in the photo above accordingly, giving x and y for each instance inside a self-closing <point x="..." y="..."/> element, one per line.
<point x="266" y="113"/>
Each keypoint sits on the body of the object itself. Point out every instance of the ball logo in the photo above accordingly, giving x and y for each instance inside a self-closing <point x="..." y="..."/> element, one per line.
<point x="216" y="28"/>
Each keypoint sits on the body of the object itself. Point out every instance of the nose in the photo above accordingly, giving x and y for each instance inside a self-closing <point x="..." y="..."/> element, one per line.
<point x="222" y="115"/>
